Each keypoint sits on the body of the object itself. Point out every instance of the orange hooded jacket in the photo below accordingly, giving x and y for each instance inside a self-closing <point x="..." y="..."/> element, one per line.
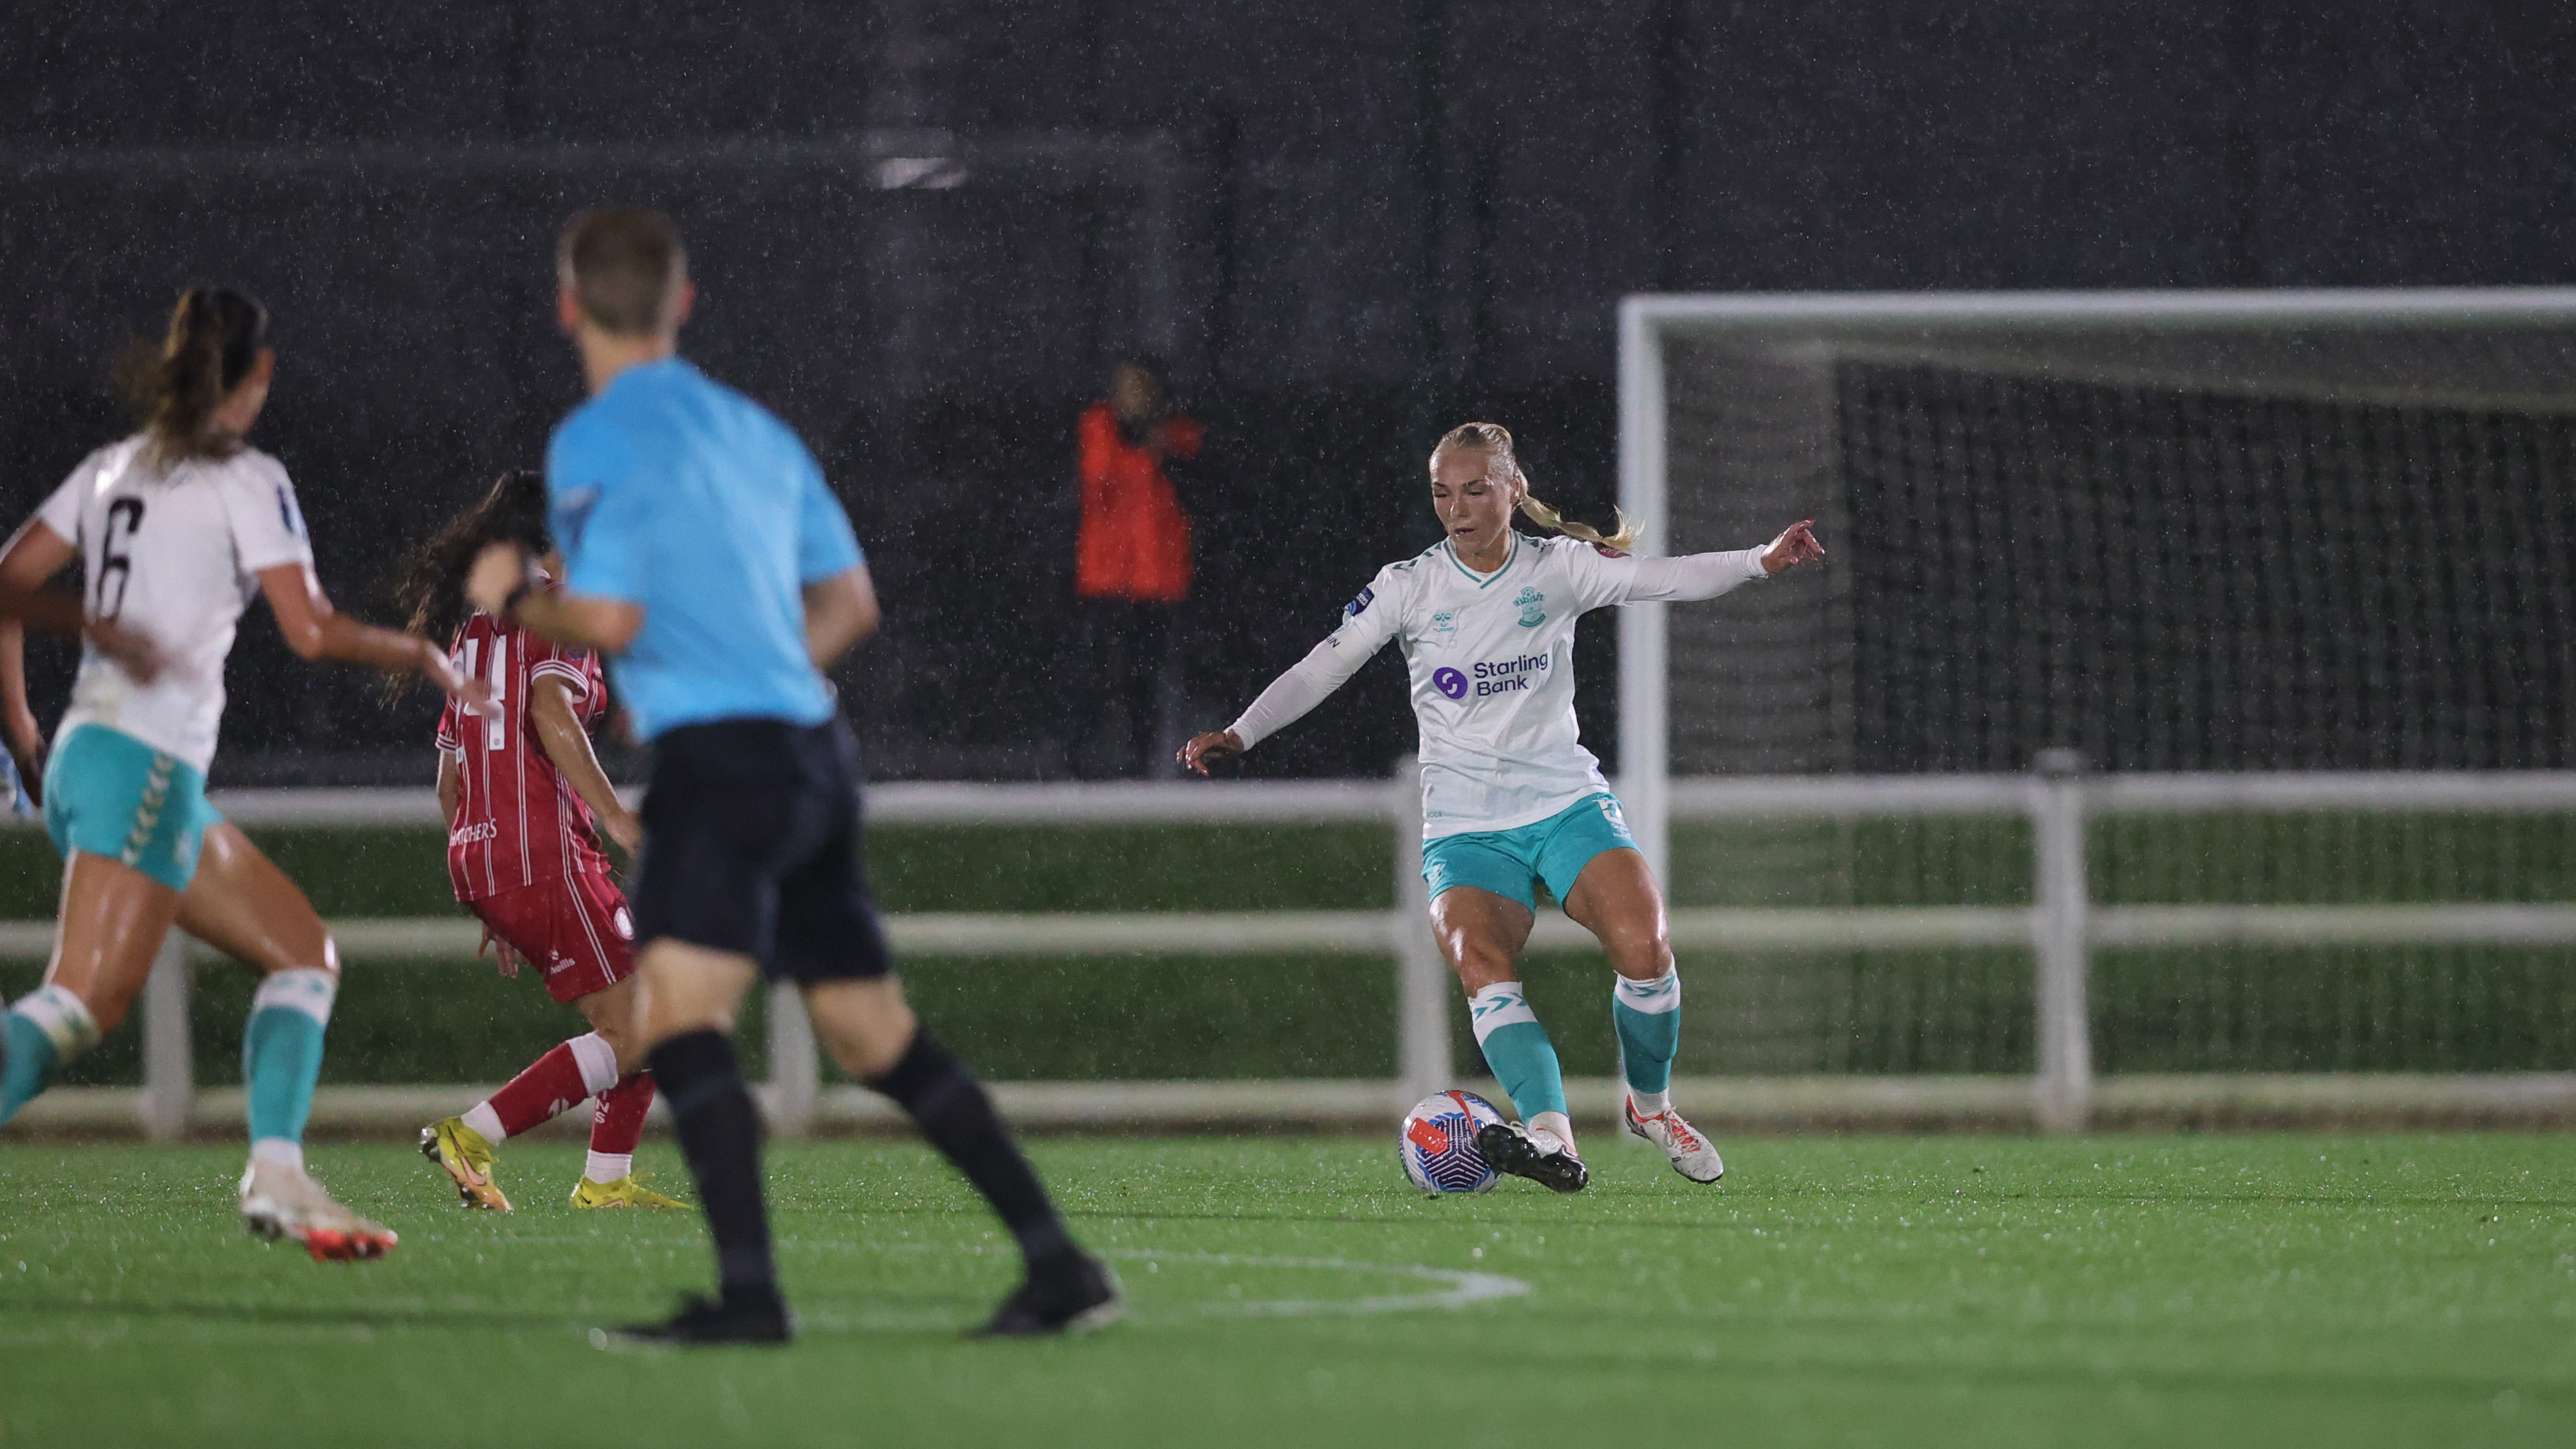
<point x="1135" y="540"/>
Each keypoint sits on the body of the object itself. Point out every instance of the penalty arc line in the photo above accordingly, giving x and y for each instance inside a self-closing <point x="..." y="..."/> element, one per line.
<point x="1464" y="1287"/>
<point x="1460" y="1287"/>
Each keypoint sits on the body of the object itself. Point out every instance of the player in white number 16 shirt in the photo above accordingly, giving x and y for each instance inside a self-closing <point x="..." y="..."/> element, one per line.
<point x="1510" y="798"/>
<point x="177" y="529"/>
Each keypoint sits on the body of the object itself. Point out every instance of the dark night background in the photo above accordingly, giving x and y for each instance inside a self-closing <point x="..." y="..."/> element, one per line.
<point x="922" y="232"/>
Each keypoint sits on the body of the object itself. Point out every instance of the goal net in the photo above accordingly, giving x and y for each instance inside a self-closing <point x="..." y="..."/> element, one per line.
<point x="2179" y="532"/>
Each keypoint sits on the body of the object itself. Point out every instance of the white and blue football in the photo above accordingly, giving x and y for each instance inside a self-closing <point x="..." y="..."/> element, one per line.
<point x="1438" y="1143"/>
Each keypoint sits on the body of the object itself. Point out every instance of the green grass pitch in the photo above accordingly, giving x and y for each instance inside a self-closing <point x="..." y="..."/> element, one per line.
<point x="1963" y="1290"/>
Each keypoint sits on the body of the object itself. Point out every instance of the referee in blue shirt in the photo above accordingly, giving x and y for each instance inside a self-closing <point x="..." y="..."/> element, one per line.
<point x="709" y="563"/>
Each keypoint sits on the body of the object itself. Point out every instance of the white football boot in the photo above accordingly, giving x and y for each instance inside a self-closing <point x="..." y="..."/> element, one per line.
<point x="278" y="1201"/>
<point x="1691" y="1154"/>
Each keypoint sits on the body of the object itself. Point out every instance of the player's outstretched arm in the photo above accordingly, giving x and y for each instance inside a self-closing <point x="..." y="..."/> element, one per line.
<point x="1694" y="577"/>
<point x="315" y="630"/>
<point x="1368" y="624"/>
<point x="1308" y="683"/>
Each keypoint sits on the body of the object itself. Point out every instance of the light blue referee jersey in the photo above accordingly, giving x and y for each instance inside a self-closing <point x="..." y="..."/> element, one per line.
<point x="673" y="492"/>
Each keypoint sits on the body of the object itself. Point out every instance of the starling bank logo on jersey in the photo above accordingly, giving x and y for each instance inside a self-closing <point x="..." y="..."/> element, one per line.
<point x="1508" y="676"/>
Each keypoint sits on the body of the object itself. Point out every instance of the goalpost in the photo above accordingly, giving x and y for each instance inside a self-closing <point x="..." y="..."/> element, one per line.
<point x="1734" y="410"/>
<point x="2188" y="538"/>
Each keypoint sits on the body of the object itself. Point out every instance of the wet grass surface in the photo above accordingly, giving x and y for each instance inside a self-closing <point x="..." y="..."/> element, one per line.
<point x="1971" y="1291"/>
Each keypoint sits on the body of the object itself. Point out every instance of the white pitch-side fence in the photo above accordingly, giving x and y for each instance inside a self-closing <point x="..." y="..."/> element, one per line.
<point x="2061" y="927"/>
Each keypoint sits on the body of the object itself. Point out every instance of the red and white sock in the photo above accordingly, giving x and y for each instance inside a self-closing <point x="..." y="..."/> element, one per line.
<point x="551" y="1086"/>
<point x="616" y="1125"/>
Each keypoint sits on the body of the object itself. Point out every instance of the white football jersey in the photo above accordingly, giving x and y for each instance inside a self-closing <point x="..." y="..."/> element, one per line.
<point x="1492" y="664"/>
<point x="175" y="555"/>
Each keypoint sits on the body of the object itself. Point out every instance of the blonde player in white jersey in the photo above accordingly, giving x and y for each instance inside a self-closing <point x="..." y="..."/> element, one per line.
<point x="1510" y="798"/>
<point x="177" y="529"/>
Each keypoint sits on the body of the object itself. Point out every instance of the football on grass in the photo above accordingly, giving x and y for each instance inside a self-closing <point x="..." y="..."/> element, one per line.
<point x="1438" y="1143"/>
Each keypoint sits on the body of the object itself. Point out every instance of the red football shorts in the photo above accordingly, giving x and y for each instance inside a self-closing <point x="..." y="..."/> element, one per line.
<point x="575" y="931"/>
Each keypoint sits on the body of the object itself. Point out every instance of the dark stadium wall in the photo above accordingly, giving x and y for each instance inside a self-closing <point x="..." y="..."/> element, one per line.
<point x="389" y="178"/>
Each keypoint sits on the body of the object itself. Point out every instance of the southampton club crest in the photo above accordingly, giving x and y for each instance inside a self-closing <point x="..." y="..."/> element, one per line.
<point x="1533" y="607"/>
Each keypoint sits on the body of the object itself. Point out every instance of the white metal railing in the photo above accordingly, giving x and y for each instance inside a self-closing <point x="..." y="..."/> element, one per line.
<point x="2061" y="926"/>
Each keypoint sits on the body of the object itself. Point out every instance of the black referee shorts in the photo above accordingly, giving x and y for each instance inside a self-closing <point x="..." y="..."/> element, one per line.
<point x="751" y="845"/>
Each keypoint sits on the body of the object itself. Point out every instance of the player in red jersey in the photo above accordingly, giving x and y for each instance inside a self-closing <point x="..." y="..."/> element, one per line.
<point x="522" y="793"/>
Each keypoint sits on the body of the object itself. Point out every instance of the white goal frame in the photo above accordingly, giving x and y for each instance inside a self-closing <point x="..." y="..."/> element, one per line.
<point x="1821" y="319"/>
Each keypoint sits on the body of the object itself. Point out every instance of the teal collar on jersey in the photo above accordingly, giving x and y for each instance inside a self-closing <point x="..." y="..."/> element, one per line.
<point x="1482" y="580"/>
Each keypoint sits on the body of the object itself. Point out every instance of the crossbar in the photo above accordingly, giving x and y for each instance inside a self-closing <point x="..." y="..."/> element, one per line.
<point x="2378" y="308"/>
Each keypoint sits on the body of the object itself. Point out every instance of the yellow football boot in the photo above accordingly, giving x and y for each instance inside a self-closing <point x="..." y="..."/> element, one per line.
<point x="466" y="1158"/>
<point x="625" y="1192"/>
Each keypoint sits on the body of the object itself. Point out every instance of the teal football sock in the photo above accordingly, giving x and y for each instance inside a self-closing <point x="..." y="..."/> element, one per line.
<point x="47" y="1030"/>
<point x="282" y="1051"/>
<point x="1648" y="1015"/>
<point x="1650" y="1031"/>
<point x="32" y="1063"/>
<point x="1517" y="1048"/>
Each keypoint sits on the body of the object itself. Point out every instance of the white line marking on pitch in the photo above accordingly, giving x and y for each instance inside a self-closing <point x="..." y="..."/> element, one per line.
<point x="1462" y="1288"/>
<point x="1459" y="1289"/>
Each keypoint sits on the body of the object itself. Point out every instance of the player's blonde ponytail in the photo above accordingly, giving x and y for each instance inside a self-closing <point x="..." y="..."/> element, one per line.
<point x="1495" y="442"/>
<point x="1624" y="539"/>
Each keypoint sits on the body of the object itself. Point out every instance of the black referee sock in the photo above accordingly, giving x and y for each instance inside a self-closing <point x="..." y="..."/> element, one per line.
<point x="719" y="1128"/>
<point x="955" y="1115"/>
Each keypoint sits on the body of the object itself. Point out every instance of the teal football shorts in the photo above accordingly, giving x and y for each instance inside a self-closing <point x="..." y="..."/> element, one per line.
<point x="1510" y="862"/>
<point x="112" y="795"/>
